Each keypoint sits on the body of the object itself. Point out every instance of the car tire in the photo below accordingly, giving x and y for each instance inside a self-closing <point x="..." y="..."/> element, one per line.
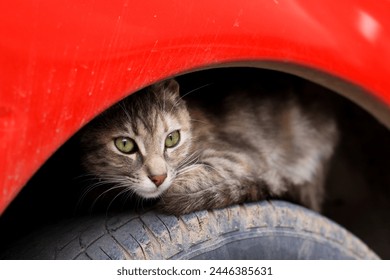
<point x="260" y="230"/>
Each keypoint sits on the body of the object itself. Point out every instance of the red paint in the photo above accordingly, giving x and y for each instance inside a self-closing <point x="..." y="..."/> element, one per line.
<point x="62" y="62"/>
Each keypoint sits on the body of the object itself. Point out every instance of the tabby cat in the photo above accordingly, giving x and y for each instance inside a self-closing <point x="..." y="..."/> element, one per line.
<point x="189" y="156"/>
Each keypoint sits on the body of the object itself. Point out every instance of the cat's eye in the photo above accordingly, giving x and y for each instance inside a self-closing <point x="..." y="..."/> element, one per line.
<point x="172" y="139"/>
<point x="125" y="145"/>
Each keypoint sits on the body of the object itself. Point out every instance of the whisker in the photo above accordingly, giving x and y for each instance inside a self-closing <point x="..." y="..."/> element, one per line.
<point x="199" y="121"/>
<point x="187" y="93"/>
<point x="113" y="182"/>
<point x="125" y="190"/>
<point x="102" y="194"/>
<point x="122" y="106"/>
<point x="196" y="89"/>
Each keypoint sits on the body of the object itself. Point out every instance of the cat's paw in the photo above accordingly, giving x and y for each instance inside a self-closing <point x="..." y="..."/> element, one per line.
<point x="180" y="200"/>
<point x="177" y="204"/>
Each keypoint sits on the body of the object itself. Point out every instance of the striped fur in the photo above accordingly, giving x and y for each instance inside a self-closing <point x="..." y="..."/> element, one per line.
<point x="253" y="146"/>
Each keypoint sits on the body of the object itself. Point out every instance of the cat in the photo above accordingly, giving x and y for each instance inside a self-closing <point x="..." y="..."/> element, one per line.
<point x="192" y="155"/>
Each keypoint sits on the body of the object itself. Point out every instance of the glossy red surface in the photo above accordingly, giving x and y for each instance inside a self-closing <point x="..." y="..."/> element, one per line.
<point x="62" y="62"/>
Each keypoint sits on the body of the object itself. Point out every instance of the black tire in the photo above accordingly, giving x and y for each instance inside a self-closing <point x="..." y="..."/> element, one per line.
<point x="262" y="230"/>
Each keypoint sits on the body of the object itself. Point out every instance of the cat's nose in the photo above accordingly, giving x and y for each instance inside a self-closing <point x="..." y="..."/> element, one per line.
<point x="158" y="179"/>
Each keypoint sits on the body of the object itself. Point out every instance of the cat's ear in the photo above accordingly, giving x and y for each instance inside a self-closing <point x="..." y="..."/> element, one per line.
<point x="170" y="88"/>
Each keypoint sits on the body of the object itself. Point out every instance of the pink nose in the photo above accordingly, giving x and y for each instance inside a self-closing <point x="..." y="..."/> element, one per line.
<point x="158" y="179"/>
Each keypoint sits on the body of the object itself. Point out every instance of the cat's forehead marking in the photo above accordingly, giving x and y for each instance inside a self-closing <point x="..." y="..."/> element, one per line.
<point x="141" y="128"/>
<point x="134" y="127"/>
<point x="163" y="119"/>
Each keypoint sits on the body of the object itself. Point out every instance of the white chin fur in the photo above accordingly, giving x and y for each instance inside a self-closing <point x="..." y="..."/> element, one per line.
<point x="151" y="191"/>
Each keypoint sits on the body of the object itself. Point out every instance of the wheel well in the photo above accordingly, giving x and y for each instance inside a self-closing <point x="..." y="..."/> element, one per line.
<point x="53" y="193"/>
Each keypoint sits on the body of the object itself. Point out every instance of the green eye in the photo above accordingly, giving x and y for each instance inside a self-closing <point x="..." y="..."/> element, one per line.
<point x="125" y="145"/>
<point x="172" y="139"/>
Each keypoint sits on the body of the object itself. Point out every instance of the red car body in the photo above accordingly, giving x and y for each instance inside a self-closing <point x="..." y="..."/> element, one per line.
<point x="63" y="62"/>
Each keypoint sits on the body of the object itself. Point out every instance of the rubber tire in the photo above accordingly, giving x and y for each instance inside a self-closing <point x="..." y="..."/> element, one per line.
<point x="261" y="230"/>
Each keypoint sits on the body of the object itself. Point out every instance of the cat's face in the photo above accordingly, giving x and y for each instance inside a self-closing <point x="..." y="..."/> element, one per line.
<point x="140" y="144"/>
